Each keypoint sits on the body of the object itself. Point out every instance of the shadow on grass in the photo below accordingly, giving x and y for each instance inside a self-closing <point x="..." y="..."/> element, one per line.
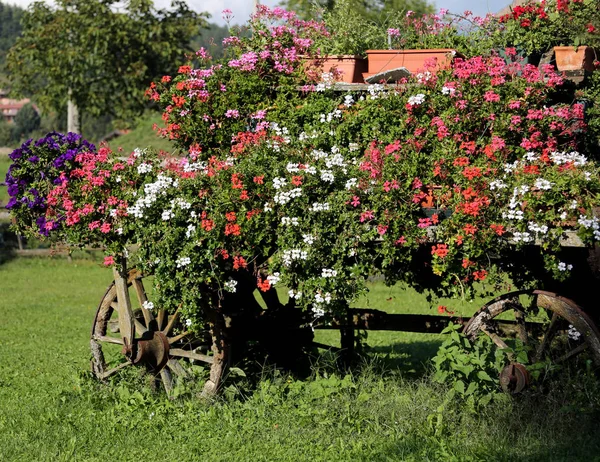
<point x="411" y="359"/>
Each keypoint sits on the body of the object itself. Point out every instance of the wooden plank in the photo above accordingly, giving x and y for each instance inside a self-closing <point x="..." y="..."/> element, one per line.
<point x="191" y="355"/>
<point x="126" y="318"/>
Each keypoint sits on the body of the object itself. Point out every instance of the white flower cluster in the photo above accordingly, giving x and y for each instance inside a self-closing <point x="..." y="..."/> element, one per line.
<point x="284" y="197"/>
<point x="295" y="294"/>
<point x="306" y="136"/>
<point x="351" y="183"/>
<point x="151" y="193"/>
<point x="319" y="207"/>
<point x="513" y="213"/>
<point x="448" y="90"/>
<point x="337" y="160"/>
<point x="560" y="158"/>
<point x="230" y="286"/>
<point x="148" y="305"/>
<point x="348" y="100"/>
<point x="195" y="167"/>
<point x="137" y="152"/>
<point x="182" y="261"/>
<point x="531" y="156"/>
<point x="497" y="184"/>
<point x="509" y="168"/>
<point x="326" y="82"/>
<point x="274" y="278"/>
<point x="535" y="228"/>
<point x="562" y="266"/>
<point x="424" y="77"/>
<point x="181" y="203"/>
<point x="522" y="237"/>
<point x="144" y="168"/>
<point x="190" y="230"/>
<point x="328" y="273"/>
<point x="308" y="239"/>
<point x="573" y="333"/>
<point x="337" y="114"/>
<point x="292" y="168"/>
<point x="353" y="147"/>
<point x="375" y="90"/>
<point x="323" y="298"/>
<point x="279" y="182"/>
<point x="416" y="100"/>
<point x="545" y="185"/>
<point x="290" y="221"/>
<point x="590" y="223"/>
<point x="318" y="311"/>
<point x="167" y="215"/>
<point x="294" y="254"/>
<point x="327" y="176"/>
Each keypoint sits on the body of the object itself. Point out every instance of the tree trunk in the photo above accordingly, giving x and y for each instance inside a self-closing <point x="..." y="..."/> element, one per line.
<point x="72" y="115"/>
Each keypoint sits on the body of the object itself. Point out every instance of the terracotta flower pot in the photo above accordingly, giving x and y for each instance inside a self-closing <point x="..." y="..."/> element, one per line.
<point x="413" y="60"/>
<point x="574" y="59"/>
<point x="346" y="68"/>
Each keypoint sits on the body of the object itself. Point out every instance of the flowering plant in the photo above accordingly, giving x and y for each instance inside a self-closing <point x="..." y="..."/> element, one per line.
<point x="536" y="27"/>
<point x="63" y="189"/>
<point x="332" y="191"/>
<point x="206" y="107"/>
<point x="36" y="168"/>
<point x="437" y="30"/>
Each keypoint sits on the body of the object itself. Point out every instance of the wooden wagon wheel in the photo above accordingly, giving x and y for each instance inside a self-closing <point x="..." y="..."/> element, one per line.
<point x="163" y="345"/>
<point x="553" y="329"/>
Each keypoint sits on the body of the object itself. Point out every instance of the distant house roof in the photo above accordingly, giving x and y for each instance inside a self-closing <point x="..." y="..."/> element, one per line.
<point x="10" y="107"/>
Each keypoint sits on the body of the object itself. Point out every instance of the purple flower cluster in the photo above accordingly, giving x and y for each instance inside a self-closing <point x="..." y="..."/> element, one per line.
<point x="36" y="167"/>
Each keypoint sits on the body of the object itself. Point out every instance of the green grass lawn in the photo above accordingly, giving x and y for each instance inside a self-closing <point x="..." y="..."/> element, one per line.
<point x="51" y="410"/>
<point x="4" y="164"/>
<point x="142" y="137"/>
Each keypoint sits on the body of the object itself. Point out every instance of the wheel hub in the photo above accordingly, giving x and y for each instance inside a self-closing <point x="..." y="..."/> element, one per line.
<point x="514" y="378"/>
<point x="153" y="351"/>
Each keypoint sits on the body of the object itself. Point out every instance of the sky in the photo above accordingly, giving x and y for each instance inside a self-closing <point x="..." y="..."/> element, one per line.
<point x="242" y="8"/>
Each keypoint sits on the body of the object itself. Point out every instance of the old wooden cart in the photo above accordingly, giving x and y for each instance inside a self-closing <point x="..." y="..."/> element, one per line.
<point x="555" y="327"/>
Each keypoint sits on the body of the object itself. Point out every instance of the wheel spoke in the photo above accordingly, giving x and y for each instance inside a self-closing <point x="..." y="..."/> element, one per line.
<point x="114" y="370"/>
<point x="573" y="352"/>
<point x="107" y="339"/>
<point x="142" y="298"/>
<point x="139" y="327"/>
<point x="547" y="338"/>
<point x="177" y="368"/>
<point x="178" y="337"/>
<point x="521" y="327"/>
<point x="495" y="338"/>
<point x="161" y="319"/>
<point x="167" y="380"/>
<point x="167" y="330"/>
<point x="191" y="355"/>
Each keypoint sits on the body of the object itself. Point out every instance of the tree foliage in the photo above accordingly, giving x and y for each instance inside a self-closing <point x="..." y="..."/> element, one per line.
<point x="27" y="120"/>
<point x="377" y="10"/>
<point x="104" y="55"/>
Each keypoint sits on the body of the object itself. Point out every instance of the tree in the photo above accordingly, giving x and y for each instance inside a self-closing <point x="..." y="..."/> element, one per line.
<point x="376" y="10"/>
<point x="27" y="120"/>
<point x="100" y="57"/>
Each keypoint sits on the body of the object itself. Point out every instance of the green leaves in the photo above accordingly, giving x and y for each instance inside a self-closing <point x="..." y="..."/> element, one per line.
<point x="106" y="57"/>
<point x="468" y="367"/>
